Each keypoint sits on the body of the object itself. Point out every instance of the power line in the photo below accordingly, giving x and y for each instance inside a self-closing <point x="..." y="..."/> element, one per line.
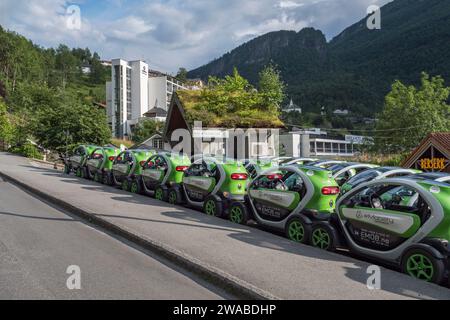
<point x="359" y="130"/>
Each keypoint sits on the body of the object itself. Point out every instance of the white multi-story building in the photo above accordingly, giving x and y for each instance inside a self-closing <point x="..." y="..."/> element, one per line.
<point x="136" y="92"/>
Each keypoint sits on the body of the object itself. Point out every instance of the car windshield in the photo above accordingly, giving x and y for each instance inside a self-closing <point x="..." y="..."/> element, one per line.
<point x="363" y="177"/>
<point x="336" y="167"/>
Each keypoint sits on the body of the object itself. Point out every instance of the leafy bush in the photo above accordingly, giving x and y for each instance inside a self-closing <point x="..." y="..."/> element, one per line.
<point x="28" y="150"/>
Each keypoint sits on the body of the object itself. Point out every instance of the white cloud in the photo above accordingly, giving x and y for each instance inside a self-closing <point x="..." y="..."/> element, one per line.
<point x="289" y="4"/>
<point x="283" y="22"/>
<point x="129" y="28"/>
<point x="173" y="33"/>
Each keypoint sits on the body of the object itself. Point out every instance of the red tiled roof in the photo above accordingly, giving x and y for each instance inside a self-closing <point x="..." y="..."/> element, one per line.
<point x="441" y="140"/>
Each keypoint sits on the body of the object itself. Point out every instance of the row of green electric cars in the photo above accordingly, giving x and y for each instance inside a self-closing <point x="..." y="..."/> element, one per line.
<point x="398" y="216"/>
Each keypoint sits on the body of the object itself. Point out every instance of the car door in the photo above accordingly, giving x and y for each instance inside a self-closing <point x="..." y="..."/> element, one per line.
<point x="78" y="155"/>
<point x="95" y="160"/>
<point x="121" y="166"/>
<point x="199" y="181"/>
<point x="378" y="217"/>
<point x="154" y="171"/>
<point x="276" y="195"/>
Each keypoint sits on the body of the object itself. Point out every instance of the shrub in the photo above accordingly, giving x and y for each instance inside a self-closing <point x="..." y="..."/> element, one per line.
<point x="28" y="150"/>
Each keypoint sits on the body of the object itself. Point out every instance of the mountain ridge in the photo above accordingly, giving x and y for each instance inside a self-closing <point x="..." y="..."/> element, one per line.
<point x="355" y="69"/>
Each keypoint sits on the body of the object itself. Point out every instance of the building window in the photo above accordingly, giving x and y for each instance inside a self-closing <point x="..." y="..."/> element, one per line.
<point x="118" y="106"/>
<point x="158" y="144"/>
<point x="129" y="114"/>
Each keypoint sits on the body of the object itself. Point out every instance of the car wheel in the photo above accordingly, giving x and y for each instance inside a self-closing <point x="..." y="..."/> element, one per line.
<point x="213" y="206"/>
<point x="136" y="186"/>
<point x="421" y="264"/>
<point x="175" y="196"/>
<point x="161" y="193"/>
<point x="78" y="173"/>
<point x="126" y="184"/>
<point x="107" y="179"/>
<point x="97" y="177"/>
<point x="323" y="236"/>
<point x="238" y="213"/>
<point x="66" y="169"/>
<point x="298" y="230"/>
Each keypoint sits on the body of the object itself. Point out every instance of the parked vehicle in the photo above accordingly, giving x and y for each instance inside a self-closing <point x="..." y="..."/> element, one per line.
<point x="126" y="166"/>
<point x="100" y="162"/>
<point x="294" y="199"/>
<point x="344" y="171"/>
<point x="378" y="220"/>
<point x="298" y="161"/>
<point x="280" y="160"/>
<point x="435" y="176"/>
<point x="324" y="163"/>
<point x="255" y="166"/>
<point x="159" y="173"/>
<point x="375" y="174"/>
<point x="212" y="184"/>
<point x="76" y="162"/>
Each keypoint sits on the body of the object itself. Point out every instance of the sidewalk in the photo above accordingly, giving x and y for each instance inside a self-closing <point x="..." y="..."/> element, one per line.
<point x="265" y="264"/>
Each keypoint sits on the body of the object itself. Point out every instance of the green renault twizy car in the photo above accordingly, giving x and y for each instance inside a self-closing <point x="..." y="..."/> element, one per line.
<point x="159" y="173"/>
<point x="99" y="163"/>
<point x="399" y="221"/>
<point x="293" y="199"/>
<point x="76" y="162"/>
<point x="126" y="166"/>
<point x="212" y="184"/>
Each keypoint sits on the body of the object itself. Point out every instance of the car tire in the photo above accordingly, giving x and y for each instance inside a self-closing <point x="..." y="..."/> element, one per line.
<point x="97" y="177"/>
<point x="84" y="173"/>
<point x="238" y="213"/>
<point x="421" y="263"/>
<point x="161" y="193"/>
<point x="67" y="169"/>
<point x="324" y="236"/>
<point x="136" y="186"/>
<point x="107" y="179"/>
<point x="126" y="184"/>
<point x="212" y="206"/>
<point x="298" y="229"/>
<point x="175" y="196"/>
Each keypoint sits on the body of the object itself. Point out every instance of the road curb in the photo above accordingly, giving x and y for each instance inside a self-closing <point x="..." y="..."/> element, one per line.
<point x="232" y="284"/>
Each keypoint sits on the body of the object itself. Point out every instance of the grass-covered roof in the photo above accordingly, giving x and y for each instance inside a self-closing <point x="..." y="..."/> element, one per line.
<point x="232" y="110"/>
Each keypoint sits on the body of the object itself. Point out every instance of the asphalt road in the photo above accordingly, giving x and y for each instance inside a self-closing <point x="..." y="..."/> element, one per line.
<point x="38" y="243"/>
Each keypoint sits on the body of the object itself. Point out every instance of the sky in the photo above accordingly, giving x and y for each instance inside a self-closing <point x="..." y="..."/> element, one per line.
<point x="169" y="34"/>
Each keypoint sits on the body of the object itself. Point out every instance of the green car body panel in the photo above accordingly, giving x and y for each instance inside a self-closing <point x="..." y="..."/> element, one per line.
<point x="442" y="194"/>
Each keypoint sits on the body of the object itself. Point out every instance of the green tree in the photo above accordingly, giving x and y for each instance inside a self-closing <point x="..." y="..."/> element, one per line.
<point x="84" y="124"/>
<point x="271" y="87"/>
<point x="6" y="127"/>
<point x="182" y="74"/>
<point x="145" y="129"/>
<point x="411" y="113"/>
<point x="66" y="64"/>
